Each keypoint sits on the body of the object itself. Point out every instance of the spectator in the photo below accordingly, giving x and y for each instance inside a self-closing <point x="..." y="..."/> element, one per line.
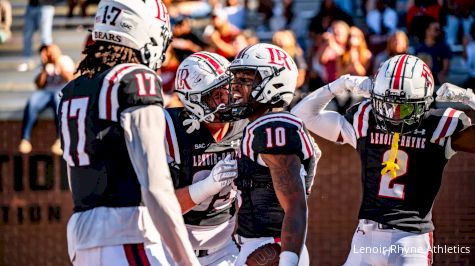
<point x="418" y="12"/>
<point x="329" y="12"/>
<point x="244" y="39"/>
<point x="356" y="58"/>
<point x="39" y="15"/>
<point x="282" y="15"/>
<point x="469" y="56"/>
<point x="185" y="42"/>
<point x="382" y="22"/>
<point x="56" y="71"/>
<point x="82" y="4"/>
<point x="398" y="43"/>
<point x="434" y="51"/>
<point x="5" y="21"/>
<point x="221" y="35"/>
<point x="354" y="61"/>
<point x="324" y="61"/>
<point x="265" y="10"/>
<point x="286" y="40"/>
<point x="458" y="21"/>
<point x="335" y="45"/>
<point x="236" y="13"/>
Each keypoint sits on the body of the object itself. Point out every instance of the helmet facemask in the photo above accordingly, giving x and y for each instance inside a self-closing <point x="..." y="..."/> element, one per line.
<point x="245" y="81"/>
<point x="397" y="114"/>
<point x="207" y="106"/>
<point x="247" y="89"/>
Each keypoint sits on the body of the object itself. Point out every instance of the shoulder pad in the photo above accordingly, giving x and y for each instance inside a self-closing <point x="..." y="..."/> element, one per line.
<point x="358" y="116"/>
<point x="277" y="133"/>
<point x="128" y="85"/>
<point x="450" y="121"/>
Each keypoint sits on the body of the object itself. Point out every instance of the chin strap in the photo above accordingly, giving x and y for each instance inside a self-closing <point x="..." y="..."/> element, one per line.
<point x="195" y="122"/>
<point x="391" y="165"/>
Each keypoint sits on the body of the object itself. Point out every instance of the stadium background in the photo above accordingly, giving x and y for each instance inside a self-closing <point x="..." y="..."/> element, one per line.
<point x="35" y="203"/>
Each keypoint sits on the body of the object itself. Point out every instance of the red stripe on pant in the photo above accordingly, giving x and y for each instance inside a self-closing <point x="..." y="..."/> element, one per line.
<point x="431" y="245"/>
<point x="136" y="255"/>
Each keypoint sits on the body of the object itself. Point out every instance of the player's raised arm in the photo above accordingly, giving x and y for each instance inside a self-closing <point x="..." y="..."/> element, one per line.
<point x="329" y="124"/>
<point x="464" y="139"/>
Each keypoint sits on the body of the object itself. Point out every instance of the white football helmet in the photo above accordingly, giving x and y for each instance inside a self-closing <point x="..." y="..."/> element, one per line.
<point x="143" y="25"/>
<point x="275" y="77"/>
<point x="402" y="93"/>
<point x="197" y="78"/>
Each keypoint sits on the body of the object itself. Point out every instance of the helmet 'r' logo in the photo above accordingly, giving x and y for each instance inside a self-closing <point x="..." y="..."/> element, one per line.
<point x="426" y="73"/>
<point x="162" y="13"/>
<point x="278" y="57"/>
<point x="182" y="75"/>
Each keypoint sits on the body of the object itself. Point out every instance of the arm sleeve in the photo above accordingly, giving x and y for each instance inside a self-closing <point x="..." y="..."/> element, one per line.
<point x="326" y="124"/>
<point x="144" y="135"/>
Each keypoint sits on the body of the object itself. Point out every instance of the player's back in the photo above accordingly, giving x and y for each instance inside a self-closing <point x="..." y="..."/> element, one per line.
<point x="105" y="188"/>
<point x="404" y="202"/>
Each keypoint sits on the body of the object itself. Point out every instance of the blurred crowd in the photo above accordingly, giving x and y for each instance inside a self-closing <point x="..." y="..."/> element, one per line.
<point x="340" y="37"/>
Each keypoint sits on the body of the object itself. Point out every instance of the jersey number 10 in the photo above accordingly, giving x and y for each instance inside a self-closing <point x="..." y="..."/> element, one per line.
<point x="275" y="137"/>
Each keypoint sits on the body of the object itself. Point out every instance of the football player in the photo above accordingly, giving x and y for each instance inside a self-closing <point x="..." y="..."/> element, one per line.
<point x="112" y="135"/>
<point x="277" y="166"/>
<point x="404" y="146"/>
<point x="201" y="153"/>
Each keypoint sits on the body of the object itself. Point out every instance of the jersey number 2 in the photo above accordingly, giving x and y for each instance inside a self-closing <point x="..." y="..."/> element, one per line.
<point x="387" y="186"/>
<point x="75" y="109"/>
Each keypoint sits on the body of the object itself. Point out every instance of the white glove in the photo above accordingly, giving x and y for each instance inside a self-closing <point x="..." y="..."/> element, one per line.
<point x="451" y="93"/>
<point x="357" y="85"/>
<point x="222" y="175"/>
<point x="288" y="258"/>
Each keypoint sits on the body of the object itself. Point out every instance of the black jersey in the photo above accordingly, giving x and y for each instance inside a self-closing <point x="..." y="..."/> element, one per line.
<point x="191" y="158"/>
<point x="101" y="173"/>
<point x="260" y="214"/>
<point x="404" y="202"/>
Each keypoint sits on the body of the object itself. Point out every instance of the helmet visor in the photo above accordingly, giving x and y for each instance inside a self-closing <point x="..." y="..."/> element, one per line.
<point x="399" y="110"/>
<point x="395" y="111"/>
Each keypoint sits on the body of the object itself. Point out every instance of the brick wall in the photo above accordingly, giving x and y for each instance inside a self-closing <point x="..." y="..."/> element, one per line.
<point x="35" y="203"/>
